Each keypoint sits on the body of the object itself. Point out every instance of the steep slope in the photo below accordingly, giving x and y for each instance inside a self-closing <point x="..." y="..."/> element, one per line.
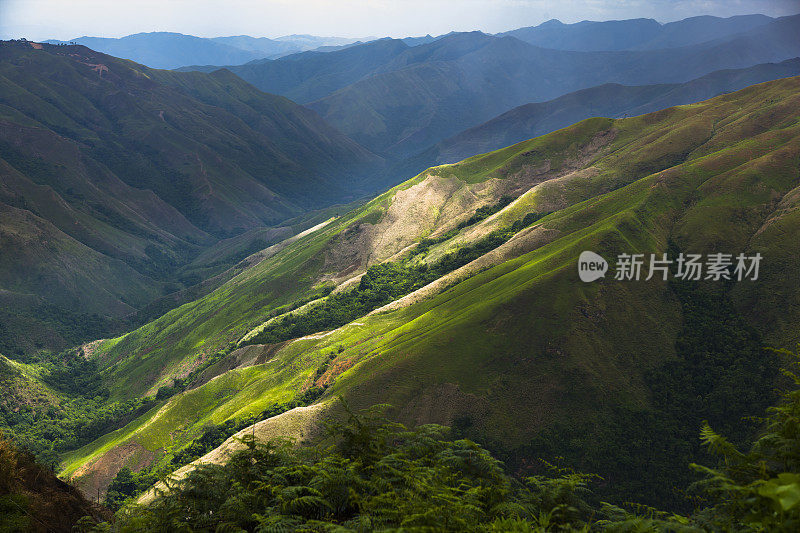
<point x="634" y="34"/>
<point x="35" y="500"/>
<point x="118" y="174"/>
<point x="432" y="91"/>
<point x="610" y="100"/>
<point x="512" y="347"/>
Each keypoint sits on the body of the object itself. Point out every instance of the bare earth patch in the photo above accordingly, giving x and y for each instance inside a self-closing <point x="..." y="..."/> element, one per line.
<point x="93" y="478"/>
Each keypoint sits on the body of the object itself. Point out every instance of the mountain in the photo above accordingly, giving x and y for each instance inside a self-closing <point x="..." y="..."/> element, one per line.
<point x="167" y="50"/>
<point x="430" y="92"/>
<point x="113" y="175"/>
<point x="281" y="46"/>
<point x="701" y="29"/>
<point x="610" y="100"/>
<point x="308" y="76"/>
<point x="455" y="299"/>
<point x="634" y="34"/>
<point x="588" y="36"/>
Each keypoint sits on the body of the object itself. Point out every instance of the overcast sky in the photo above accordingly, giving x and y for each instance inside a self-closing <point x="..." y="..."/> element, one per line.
<point x="65" y="19"/>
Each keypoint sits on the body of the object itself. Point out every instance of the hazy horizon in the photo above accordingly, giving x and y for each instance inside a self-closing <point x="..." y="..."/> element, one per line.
<point x="56" y="19"/>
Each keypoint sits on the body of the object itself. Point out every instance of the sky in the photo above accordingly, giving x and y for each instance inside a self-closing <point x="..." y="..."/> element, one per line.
<point x="65" y="19"/>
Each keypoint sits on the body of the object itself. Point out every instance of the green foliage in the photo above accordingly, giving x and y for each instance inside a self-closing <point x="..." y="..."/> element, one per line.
<point x="74" y="374"/>
<point x="370" y="475"/>
<point x="79" y="414"/>
<point x="214" y="436"/>
<point x="383" y="283"/>
<point x="127" y="484"/>
<point x="720" y="374"/>
<point x="69" y="425"/>
<point x="485" y="212"/>
<point x="758" y="490"/>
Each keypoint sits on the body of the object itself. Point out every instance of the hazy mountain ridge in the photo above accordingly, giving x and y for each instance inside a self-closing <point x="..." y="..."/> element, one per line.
<point x="172" y="50"/>
<point x="399" y="100"/>
<point x="404" y="110"/>
<point x="635" y="34"/>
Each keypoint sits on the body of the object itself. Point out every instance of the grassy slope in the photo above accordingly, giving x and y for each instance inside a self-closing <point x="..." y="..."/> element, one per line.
<point x="173" y="343"/>
<point x="524" y="343"/>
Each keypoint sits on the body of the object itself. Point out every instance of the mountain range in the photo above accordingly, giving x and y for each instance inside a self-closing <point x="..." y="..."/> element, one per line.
<point x="609" y="100"/>
<point x="635" y="34"/>
<point x="169" y="50"/>
<point x="399" y="100"/>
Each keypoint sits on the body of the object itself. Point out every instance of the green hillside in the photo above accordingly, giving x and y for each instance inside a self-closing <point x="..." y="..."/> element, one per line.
<point x="506" y="344"/>
<point x="120" y="184"/>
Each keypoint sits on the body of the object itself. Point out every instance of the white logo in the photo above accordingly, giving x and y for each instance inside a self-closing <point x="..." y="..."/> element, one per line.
<point x="591" y="266"/>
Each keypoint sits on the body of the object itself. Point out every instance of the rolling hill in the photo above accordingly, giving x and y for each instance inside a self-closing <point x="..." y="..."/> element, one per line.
<point x="473" y="314"/>
<point x="113" y="176"/>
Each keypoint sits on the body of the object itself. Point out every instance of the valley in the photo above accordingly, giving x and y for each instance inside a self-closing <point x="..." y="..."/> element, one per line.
<point x="429" y="343"/>
<point x="308" y="283"/>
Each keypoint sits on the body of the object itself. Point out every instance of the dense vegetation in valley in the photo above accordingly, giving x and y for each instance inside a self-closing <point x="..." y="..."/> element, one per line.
<point x="65" y="408"/>
<point x="722" y="374"/>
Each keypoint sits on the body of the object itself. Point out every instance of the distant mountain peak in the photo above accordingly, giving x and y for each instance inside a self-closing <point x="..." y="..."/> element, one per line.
<point x="551" y="23"/>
